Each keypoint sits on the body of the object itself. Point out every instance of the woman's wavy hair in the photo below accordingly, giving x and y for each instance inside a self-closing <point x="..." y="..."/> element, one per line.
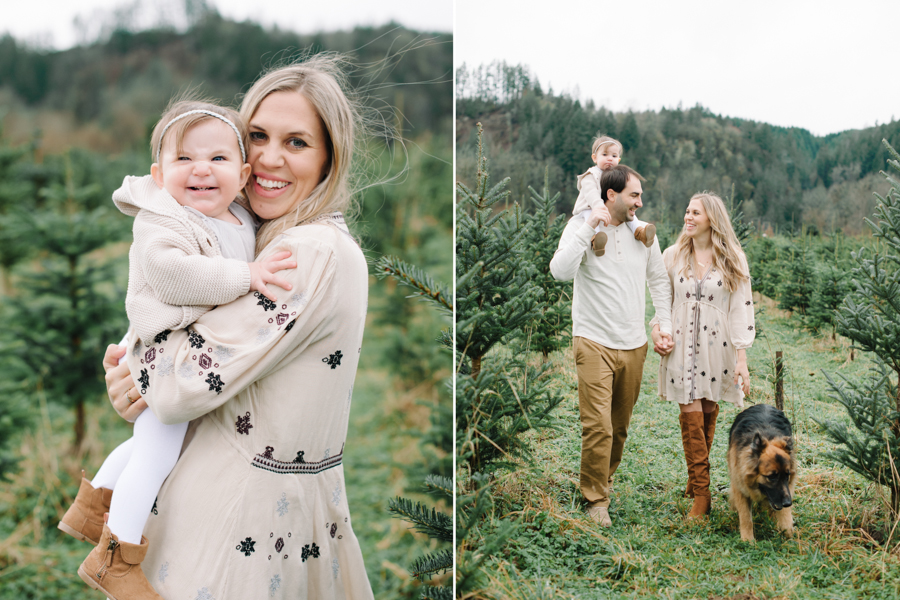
<point x="728" y="257"/>
<point x="320" y="79"/>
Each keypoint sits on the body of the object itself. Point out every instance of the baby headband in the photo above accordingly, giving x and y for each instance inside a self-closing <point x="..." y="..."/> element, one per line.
<point x="205" y="112"/>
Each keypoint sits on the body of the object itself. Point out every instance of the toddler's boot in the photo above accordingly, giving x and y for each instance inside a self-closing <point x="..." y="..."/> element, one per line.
<point x="646" y="234"/>
<point x="114" y="568"/>
<point x="84" y="519"/>
<point x="598" y="243"/>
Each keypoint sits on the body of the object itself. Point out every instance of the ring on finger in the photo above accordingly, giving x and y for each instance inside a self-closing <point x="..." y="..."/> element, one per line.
<point x="128" y="396"/>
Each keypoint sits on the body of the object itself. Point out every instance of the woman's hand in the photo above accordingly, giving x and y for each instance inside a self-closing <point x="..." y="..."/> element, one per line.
<point x="121" y="388"/>
<point x="662" y="342"/>
<point x="741" y="371"/>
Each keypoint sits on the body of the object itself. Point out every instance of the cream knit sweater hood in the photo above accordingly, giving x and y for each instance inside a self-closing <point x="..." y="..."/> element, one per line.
<point x="176" y="271"/>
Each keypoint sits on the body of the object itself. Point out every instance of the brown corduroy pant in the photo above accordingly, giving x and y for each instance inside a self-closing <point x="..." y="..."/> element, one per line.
<point x="609" y="382"/>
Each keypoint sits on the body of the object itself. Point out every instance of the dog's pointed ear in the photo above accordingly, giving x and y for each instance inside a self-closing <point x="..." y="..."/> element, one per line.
<point x="756" y="446"/>
<point x="789" y="445"/>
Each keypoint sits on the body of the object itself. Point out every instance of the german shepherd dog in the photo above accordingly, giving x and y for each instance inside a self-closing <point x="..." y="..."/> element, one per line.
<point x="762" y="467"/>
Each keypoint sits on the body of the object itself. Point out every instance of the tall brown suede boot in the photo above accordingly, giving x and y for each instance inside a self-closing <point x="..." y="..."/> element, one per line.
<point x="84" y="519"/>
<point x="114" y="568"/>
<point x="598" y="243"/>
<point x="646" y="234"/>
<point x="709" y="426"/>
<point x="696" y="456"/>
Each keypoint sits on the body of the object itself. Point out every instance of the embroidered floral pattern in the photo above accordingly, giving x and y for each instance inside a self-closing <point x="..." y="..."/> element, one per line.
<point x="154" y="510"/>
<point x="334" y="359"/>
<point x="163" y="572"/>
<point x="149" y="355"/>
<point x="274" y="584"/>
<point x="215" y="382"/>
<point x="196" y="339"/>
<point x="336" y="495"/>
<point x="204" y="594"/>
<point x="161" y="337"/>
<point x="246" y="547"/>
<point x="309" y="551"/>
<point x="264" y="302"/>
<point x="243" y="424"/>
<point x="298" y="300"/>
<point x="299" y="458"/>
<point x="327" y="453"/>
<point x="279" y="544"/>
<point x="268" y="452"/>
<point x="166" y="367"/>
<point x="335" y="567"/>
<point x="282" y="505"/>
<point x="204" y="361"/>
<point x="144" y="380"/>
<point x="290" y="325"/>
<point x="263" y="334"/>
<point x="224" y="354"/>
<point x="281" y="318"/>
<point x="333" y="529"/>
<point x="185" y="371"/>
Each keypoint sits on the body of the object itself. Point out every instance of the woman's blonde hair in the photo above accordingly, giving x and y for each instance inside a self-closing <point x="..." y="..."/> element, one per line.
<point x="728" y="258"/>
<point x="321" y="80"/>
<point x="186" y="103"/>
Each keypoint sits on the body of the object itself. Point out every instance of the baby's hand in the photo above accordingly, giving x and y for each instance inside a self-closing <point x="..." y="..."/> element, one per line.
<point x="263" y="272"/>
<point x="599" y="213"/>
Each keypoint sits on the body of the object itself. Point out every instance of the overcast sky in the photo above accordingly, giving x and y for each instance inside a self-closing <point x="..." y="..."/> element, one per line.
<point x="823" y="65"/>
<point x="51" y="21"/>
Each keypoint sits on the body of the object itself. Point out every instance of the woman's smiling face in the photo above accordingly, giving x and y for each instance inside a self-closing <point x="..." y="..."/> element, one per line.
<point x="288" y="153"/>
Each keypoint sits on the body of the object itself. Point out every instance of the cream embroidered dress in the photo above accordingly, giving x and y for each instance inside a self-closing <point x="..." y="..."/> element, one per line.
<point x="256" y="506"/>
<point x="710" y="325"/>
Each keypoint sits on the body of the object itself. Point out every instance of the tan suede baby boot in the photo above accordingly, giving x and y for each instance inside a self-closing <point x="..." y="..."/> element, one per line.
<point x="114" y="568"/>
<point x="598" y="243"/>
<point x="84" y="519"/>
<point x="646" y="234"/>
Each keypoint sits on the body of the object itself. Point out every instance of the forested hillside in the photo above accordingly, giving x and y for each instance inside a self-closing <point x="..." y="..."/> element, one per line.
<point x="784" y="177"/>
<point x="107" y="96"/>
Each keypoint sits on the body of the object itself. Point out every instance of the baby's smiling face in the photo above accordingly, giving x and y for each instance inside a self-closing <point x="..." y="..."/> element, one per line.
<point x="209" y="171"/>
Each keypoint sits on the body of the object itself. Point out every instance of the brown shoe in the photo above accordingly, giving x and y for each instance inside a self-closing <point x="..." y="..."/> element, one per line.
<point x="696" y="456"/>
<point x="600" y="515"/>
<point x="84" y="519"/>
<point x="114" y="568"/>
<point x="598" y="243"/>
<point x="646" y="234"/>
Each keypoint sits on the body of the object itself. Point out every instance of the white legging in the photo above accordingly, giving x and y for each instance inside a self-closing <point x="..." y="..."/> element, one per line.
<point x="136" y="470"/>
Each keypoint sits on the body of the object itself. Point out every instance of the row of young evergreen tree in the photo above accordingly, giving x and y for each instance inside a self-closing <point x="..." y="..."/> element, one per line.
<point x="787" y="177"/>
<point x="511" y="314"/>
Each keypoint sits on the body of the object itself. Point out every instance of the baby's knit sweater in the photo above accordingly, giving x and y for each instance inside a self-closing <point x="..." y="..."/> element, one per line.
<point x="176" y="271"/>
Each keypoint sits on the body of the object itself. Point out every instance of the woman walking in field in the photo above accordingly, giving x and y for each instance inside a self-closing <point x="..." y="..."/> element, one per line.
<point x="256" y="505"/>
<point x="712" y="318"/>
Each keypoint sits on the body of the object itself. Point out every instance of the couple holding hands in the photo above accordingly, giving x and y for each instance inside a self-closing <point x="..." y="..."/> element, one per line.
<point x="700" y="289"/>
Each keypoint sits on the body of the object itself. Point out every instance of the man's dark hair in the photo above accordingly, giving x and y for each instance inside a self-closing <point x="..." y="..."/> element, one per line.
<point x="615" y="179"/>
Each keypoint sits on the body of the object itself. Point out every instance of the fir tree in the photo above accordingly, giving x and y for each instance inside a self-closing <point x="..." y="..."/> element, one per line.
<point x="870" y="317"/>
<point x="827" y="298"/>
<point x="552" y="330"/>
<point x="65" y="313"/>
<point x="798" y="282"/>
<point x="436" y="525"/>
<point x="496" y="296"/>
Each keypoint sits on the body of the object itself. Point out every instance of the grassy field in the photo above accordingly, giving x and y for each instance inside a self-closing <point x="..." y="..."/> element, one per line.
<point x="843" y="545"/>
